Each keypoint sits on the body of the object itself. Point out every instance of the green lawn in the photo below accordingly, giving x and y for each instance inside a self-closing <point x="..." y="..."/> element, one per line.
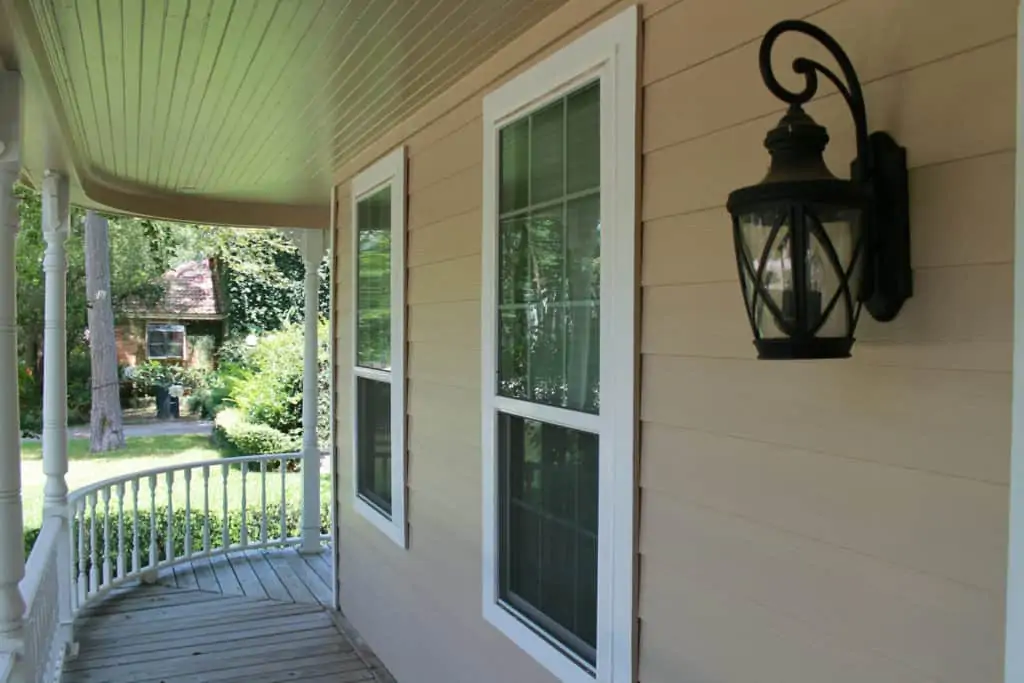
<point x="143" y="453"/>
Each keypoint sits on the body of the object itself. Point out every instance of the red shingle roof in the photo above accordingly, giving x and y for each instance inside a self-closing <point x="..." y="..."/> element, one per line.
<point x="192" y="292"/>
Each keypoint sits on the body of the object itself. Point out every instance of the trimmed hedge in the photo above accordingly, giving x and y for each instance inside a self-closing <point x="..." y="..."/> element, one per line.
<point x="293" y="521"/>
<point x="238" y="436"/>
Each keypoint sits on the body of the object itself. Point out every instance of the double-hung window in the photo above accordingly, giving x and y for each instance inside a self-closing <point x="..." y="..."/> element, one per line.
<point x="558" y="356"/>
<point x="378" y="363"/>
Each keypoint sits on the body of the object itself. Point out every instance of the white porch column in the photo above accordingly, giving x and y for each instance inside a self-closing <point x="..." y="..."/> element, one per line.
<point x="56" y="226"/>
<point x="311" y="244"/>
<point x="12" y="549"/>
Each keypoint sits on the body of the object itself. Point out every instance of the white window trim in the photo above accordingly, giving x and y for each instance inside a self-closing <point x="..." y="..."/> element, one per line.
<point x="168" y="327"/>
<point x="608" y="52"/>
<point x="389" y="170"/>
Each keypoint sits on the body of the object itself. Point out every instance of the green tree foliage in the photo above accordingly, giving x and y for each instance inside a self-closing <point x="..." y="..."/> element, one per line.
<point x="263" y="276"/>
<point x="141" y="249"/>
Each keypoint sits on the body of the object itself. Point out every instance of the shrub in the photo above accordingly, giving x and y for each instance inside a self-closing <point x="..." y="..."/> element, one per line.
<point x="265" y="381"/>
<point x="181" y="530"/>
<point x="236" y="435"/>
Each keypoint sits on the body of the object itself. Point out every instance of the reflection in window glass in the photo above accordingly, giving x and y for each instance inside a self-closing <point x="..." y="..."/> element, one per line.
<point x="373" y="414"/>
<point x="548" y="334"/>
<point x="373" y="281"/>
<point x="549" y="255"/>
<point x="548" y="476"/>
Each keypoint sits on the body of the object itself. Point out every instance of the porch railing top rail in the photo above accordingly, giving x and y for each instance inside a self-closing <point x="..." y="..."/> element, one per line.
<point x="84" y="491"/>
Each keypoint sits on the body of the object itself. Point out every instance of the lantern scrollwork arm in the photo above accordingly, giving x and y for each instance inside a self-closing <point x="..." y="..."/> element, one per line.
<point x="849" y="85"/>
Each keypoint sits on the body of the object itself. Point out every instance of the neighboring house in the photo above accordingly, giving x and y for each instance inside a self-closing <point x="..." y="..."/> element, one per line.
<point x="186" y="326"/>
<point x="556" y="454"/>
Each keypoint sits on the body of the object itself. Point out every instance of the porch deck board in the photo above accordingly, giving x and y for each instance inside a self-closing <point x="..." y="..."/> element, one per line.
<point x="177" y="631"/>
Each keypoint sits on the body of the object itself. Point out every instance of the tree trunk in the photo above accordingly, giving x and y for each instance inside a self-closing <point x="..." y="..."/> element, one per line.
<point x="106" y="431"/>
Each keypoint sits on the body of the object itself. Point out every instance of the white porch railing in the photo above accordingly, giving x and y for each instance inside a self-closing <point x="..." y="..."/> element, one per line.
<point x="44" y="647"/>
<point x="130" y="527"/>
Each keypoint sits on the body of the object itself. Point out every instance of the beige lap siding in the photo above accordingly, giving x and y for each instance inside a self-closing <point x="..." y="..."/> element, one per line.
<point x="801" y="522"/>
<point x="827" y="521"/>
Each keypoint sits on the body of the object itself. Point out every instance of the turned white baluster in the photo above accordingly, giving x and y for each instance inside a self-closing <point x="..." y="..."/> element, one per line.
<point x="188" y="512"/>
<point x="170" y="516"/>
<point x="136" y="554"/>
<point x="72" y="561"/>
<point x="107" y="566"/>
<point x="225" y="535"/>
<point x="94" y="573"/>
<point x="120" y="530"/>
<point x="206" y="508"/>
<point x="284" y="497"/>
<point x="83" y="579"/>
<point x="263" y="502"/>
<point x="153" y="555"/>
<point x="244" y="531"/>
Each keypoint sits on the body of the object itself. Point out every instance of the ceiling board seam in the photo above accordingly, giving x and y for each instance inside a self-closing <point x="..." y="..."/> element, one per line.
<point x="57" y="58"/>
<point x="106" y="87"/>
<point x="92" y="91"/>
<point x="344" y="61"/>
<point x="329" y="120"/>
<point x="174" y="85"/>
<point x="159" y="82"/>
<point x="424" y="73"/>
<point x="201" y="178"/>
<point x="188" y="95"/>
<point x="138" y="114"/>
<point x="173" y="182"/>
<point x="414" y="101"/>
<point x="193" y="141"/>
<point x="124" y="85"/>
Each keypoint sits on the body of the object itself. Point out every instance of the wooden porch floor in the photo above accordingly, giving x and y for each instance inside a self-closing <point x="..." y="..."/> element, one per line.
<point x="256" y="616"/>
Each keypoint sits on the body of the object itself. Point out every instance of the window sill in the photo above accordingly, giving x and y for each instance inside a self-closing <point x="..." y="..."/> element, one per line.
<point x="384" y="524"/>
<point x="558" y="661"/>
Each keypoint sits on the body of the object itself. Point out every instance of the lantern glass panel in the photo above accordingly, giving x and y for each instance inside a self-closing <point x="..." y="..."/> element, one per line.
<point x="834" y="248"/>
<point x="766" y="239"/>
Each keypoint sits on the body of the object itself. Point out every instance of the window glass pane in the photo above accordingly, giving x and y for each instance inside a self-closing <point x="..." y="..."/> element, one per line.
<point x="373" y="425"/>
<point x="546" y="147"/>
<point x="515" y="171"/>
<point x="373" y="334"/>
<point x="549" y="478"/>
<point x="583" y="139"/>
<point x="549" y="264"/>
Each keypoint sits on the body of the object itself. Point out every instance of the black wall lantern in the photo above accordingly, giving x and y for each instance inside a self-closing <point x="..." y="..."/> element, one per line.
<point x="812" y="248"/>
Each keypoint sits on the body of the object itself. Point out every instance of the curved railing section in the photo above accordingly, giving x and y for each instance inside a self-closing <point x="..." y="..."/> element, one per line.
<point x="44" y="647"/>
<point x="131" y="527"/>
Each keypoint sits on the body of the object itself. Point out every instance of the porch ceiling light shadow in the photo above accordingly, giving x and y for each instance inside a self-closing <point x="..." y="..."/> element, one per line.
<point x="812" y="248"/>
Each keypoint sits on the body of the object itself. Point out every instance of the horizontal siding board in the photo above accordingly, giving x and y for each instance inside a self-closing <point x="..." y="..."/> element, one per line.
<point x="447" y="323"/>
<point x="922" y="419"/>
<point x="691" y="32"/>
<point x="786" y="606"/>
<point x="452" y="238"/>
<point x="460" y="150"/>
<point x="871" y="508"/>
<point x="444" y="411"/>
<point x="446" y="364"/>
<point x="729" y="89"/>
<point x="698" y="247"/>
<point x="455" y="195"/>
<point x="669" y="328"/>
<point x="924" y="109"/>
<point x="448" y="281"/>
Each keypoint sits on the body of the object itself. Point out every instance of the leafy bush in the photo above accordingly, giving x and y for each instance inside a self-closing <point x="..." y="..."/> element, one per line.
<point x="265" y="381"/>
<point x="183" y="531"/>
<point x="235" y="434"/>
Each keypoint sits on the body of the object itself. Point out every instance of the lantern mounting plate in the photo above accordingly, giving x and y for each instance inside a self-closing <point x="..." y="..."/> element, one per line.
<point x="888" y="282"/>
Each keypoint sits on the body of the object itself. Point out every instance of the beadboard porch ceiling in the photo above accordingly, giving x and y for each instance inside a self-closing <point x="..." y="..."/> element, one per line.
<point x="234" y="111"/>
